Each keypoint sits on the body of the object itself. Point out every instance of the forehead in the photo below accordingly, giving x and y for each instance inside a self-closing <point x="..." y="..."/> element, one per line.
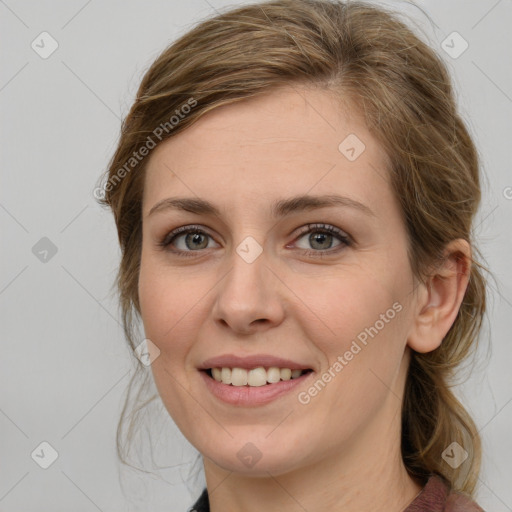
<point x="286" y="142"/>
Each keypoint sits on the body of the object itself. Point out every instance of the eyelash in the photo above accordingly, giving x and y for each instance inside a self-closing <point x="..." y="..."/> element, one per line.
<point x="311" y="228"/>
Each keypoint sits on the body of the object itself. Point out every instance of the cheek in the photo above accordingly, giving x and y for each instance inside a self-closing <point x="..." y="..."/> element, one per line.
<point x="363" y="356"/>
<point x="167" y="312"/>
<point x="165" y="302"/>
<point x="349" y="304"/>
<point x="358" y="321"/>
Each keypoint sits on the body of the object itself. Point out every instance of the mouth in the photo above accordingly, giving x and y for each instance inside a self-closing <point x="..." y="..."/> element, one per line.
<point x="254" y="387"/>
<point x="255" y="377"/>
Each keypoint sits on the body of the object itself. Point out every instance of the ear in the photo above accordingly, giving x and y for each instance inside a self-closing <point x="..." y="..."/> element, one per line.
<point x="439" y="299"/>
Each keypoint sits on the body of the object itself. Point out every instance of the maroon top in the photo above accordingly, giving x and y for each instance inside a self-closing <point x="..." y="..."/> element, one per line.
<point x="434" y="497"/>
<point x="437" y="497"/>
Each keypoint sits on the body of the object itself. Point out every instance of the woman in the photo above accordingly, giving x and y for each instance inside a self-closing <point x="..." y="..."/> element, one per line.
<point x="294" y="192"/>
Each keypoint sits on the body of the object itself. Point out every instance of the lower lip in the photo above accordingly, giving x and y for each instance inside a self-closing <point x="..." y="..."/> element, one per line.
<point x="250" y="396"/>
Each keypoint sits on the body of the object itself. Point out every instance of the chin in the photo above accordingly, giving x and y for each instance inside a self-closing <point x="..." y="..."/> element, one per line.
<point x="255" y="458"/>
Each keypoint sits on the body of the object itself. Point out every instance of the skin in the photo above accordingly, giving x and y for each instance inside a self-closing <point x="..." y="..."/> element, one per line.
<point x="341" y="451"/>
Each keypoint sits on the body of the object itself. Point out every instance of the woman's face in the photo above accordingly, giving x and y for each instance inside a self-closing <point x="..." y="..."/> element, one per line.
<point x="255" y="282"/>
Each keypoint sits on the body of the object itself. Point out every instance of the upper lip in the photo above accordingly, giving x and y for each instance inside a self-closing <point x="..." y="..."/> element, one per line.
<point x="249" y="362"/>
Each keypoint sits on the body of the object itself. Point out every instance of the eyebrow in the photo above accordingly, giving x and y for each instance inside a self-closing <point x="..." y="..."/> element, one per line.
<point x="279" y="208"/>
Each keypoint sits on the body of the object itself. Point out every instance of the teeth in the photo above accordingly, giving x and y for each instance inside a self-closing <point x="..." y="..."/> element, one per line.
<point x="273" y="375"/>
<point x="225" y="374"/>
<point x="217" y="374"/>
<point x="238" y="377"/>
<point x="286" y="373"/>
<point x="255" y="377"/>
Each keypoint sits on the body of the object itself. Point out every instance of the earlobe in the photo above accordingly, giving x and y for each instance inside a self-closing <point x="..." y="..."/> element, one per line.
<point x="439" y="299"/>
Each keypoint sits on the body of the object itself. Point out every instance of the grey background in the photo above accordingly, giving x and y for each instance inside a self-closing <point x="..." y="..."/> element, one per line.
<point x="64" y="365"/>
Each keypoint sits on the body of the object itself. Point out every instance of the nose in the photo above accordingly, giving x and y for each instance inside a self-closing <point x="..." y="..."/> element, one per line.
<point x="249" y="298"/>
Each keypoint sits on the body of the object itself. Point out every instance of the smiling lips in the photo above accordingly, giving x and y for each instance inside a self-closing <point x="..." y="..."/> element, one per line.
<point x="259" y="376"/>
<point x="253" y="371"/>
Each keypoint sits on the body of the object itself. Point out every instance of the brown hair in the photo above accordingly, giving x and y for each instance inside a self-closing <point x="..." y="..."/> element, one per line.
<point x="367" y="55"/>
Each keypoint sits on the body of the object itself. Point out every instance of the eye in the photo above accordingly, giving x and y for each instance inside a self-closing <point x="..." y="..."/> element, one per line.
<point x="190" y="239"/>
<point x="321" y="237"/>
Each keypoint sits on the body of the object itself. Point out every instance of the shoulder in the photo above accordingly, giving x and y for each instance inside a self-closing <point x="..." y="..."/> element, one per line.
<point x="202" y="504"/>
<point x="460" y="502"/>
<point x="437" y="496"/>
